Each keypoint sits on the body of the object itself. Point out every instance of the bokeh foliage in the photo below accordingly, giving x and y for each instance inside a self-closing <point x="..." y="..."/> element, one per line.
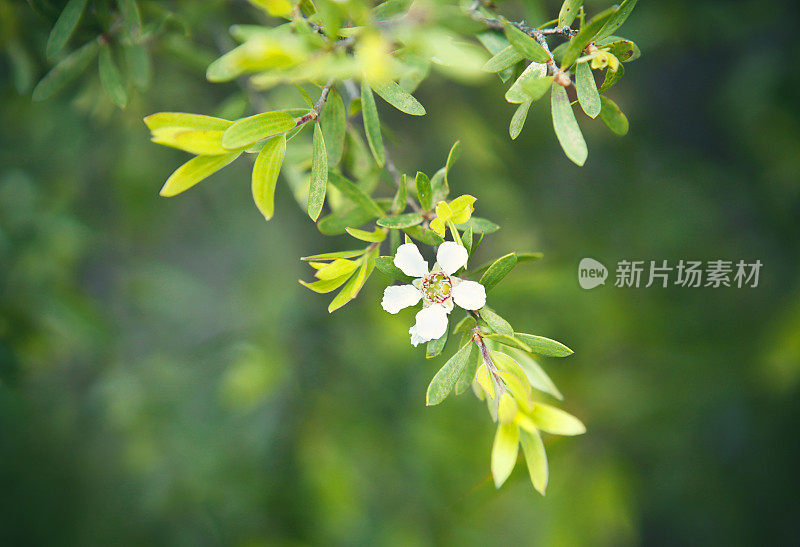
<point x="164" y="378"/>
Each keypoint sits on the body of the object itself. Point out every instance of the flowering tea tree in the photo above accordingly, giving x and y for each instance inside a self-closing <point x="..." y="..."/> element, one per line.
<point x="339" y="55"/>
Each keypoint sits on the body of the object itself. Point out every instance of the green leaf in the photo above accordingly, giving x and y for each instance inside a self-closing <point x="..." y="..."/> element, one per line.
<point x="613" y="117"/>
<point x="246" y="131"/>
<point x="509" y="340"/>
<point x="528" y="257"/>
<point x="466" y="240"/>
<point x="334" y="122"/>
<point x="401" y="221"/>
<point x="426" y="236"/>
<point x="495" y="42"/>
<point x="584" y="36"/>
<point x="130" y="12"/>
<point x="326" y="285"/>
<point x="193" y="171"/>
<point x="526" y="45"/>
<point x="265" y="174"/>
<point x="194" y="141"/>
<point x="355" y="194"/>
<point x="468" y="374"/>
<point x="399" y="98"/>
<point x="614" y="22"/>
<point x="586" y="87"/>
<point x="465" y="325"/>
<point x="319" y="174"/>
<point x="337" y="268"/>
<point x="504" y="452"/>
<point x="537" y="377"/>
<point x="64" y="27"/>
<point x="568" y="12"/>
<point x="435" y="347"/>
<point x="506" y="58"/>
<point x="370" y="237"/>
<point x="333" y="256"/>
<point x="566" y="127"/>
<point x="338" y="222"/>
<point x="553" y="420"/>
<point x="372" y="124"/>
<point x="518" y="119"/>
<point x="188" y="121"/>
<point x="479" y="225"/>
<point x="544" y="346"/>
<point x="424" y="192"/>
<point x="444" y="380"/>
<point x="401" y="196"/>
<point x="386" y="265"/>
<point x="353" y="287"/>
<point x="612" y="78"/>
<point x="452" y="157"/>
<point x="535" y="458"/>
<point x="531" y="85"/>
<point x="65" y="71"/>
<point x="498" y="270"/>
<point x="139" y="66"/>
<point x="495" y="322"/>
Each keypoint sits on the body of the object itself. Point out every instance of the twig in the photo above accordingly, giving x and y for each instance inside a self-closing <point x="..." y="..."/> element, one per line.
<point x="318" y="106"/>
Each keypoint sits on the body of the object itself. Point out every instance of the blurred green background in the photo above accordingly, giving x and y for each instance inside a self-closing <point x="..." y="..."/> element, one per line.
<point x="164" y="379"/>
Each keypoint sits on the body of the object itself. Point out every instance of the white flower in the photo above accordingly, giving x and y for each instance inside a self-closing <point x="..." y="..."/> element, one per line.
<point x="438" y="289"/>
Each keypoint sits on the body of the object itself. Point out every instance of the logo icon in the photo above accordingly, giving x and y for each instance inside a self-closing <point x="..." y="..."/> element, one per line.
<point x="591" y="273"/>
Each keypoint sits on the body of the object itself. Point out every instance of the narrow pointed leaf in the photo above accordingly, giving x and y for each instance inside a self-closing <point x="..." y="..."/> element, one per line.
<point x="504" y="452"/>
<point x="586" y="87"/>
<point x="518" y="119"/>
<point x="333" y="256"/>
<point x="531" y="84"/>
<point x="64" y="27"/>
<point x="498" y="270"/>
<point x="246" y="131"/>
<point x="372" y="124"/>
<point x="355" y="194"/>
<point x="495" y="322"/>
<point x="544" y="346"/>
<point x="568" y="12"/>
<point x="334" y="123"/>
<point x="535" y="459"/>
<point x="424" y="192"/>
<point x="612" y="78"/>
<point x="193" y="171"/>
<point x="507" y="58"/>
<point x="194" y="141"/>
<point x="401" y="221"/>
<point x="353" y="287"/>
<point x="111" y="79"/>
<point x="370" y="237"/>
<point x="319" y="174"/>
<point x="188" y="121"/>
<point x="137" y="59"/>
<point x="69" y="68"/>
<point x="265" y="174"/>
<point x="399" y="98"/>
<point x="434" y="347"/>
<point x="526" y="45"/>
<point x="442" y="383"/>
<point x="613" y="117"/>
<point x="326" y="285"/>
<point x="566" y="127"/>
<point x="614" y="22"/>
<point x="556" y="421"/>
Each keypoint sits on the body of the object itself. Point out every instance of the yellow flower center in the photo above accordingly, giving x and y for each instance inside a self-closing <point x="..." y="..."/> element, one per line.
<point x="437" y="287"/>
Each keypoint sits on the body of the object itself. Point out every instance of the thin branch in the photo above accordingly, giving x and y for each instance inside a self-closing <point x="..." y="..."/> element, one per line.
<point x="318" y="106"/>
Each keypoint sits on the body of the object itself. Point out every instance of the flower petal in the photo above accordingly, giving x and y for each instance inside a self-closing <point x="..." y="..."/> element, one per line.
<point x="397" y="297"/>
<point x="431" y="324"/>
<point x="469" y="295"/>
<point x="410" y="261"/>
<point x="451" y="256"/>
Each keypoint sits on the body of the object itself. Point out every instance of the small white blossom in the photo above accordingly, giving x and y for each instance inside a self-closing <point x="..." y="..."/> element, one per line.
<point x="438" y="289"/>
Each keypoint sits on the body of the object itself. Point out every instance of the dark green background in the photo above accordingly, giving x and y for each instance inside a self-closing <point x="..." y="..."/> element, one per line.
<point x="165" y="379"/>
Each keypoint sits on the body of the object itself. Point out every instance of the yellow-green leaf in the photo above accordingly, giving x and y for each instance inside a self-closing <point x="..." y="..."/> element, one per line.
<point x="326" y="285"/>
<point x="195" y="141"/>
<point x="353" y="287"/>
<point x="319" y="174"/>
<point x="588" y="97"/>
<point x="371" y="237"/>
<point x="333" y="122"/>
<point x="399" y="98"/>
<point x="535" y="459"/>
<point x="184" y="120"/>
<point x="568" y="12"/>
<point x="553" y="420"/>
<point x="566" y="127"/>
<point x="613" y="117"/>
<point x="265" y="174"/>
<point x="504" y="452"/>
<point x="193" y="171"/>
<point x="246" y="131"/>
